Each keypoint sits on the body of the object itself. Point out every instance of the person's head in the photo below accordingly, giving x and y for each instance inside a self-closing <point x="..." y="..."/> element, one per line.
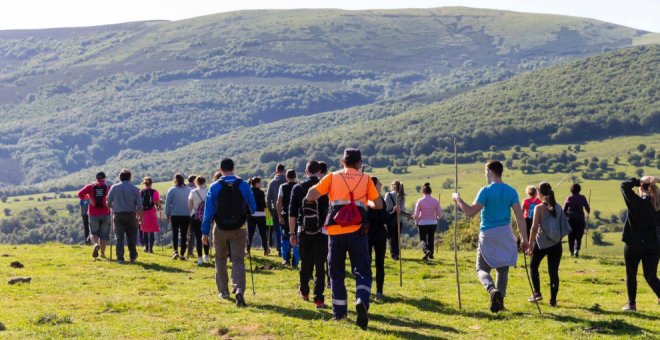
<point x="352" y="158"/>
<point x="125" y="175"/>
<point x="200" y="181"/>
<point x="575" y="189"/>
<point x="377" y="183"/>
<point x="397" y="186"/>
<point x="313" y="168"/>
<point x="548" y="196"/>
<point x="179" y="181"/>
<point x="291" y="175"/>
<point x="147" y="182"/>
<point x="494" y="170"/>
<point x="217" y="175"/>
<point x="279" y="169"/>
<point x="651" y="192"/>
<point x="426" y="188"/>
<point x="323" y="168"/>
<point x="100" y="176"/>
<point x="191" y="179"/>
<point x="255" y="182"/>
<point x="227" y="166"/>
<point x="531" y="191"/>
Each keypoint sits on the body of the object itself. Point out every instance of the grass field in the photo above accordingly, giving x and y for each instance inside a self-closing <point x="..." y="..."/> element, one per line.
<point x="73" y="296"/>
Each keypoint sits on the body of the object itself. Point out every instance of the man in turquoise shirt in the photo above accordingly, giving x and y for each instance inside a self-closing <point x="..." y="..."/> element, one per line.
<point x="497" y="245"/>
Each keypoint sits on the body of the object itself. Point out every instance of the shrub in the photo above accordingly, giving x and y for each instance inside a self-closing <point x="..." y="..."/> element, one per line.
<point x="597" y="238"/>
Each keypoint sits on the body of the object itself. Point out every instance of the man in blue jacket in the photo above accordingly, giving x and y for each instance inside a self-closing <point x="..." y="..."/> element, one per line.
<point x="228" y="202"/>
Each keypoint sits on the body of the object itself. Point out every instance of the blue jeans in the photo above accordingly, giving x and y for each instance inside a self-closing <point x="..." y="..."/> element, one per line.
<point x="357" y="246"/>
<point x="287" y="249"/>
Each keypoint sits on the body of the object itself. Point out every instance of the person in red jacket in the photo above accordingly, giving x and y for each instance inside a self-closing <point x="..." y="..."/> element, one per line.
<point x="99" y="213"/>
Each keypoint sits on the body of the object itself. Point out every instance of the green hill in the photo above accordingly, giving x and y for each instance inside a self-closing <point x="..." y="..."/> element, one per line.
<point x="71" y="296"/>
<point x="77" y="98"/>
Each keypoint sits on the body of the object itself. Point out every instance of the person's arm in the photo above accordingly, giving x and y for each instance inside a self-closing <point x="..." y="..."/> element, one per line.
<point x="539" y="210"/>
<point x="417" y="213"/>
<point x="522" y="226"/>
<point x="629" y="196"/>
<point x="191" y="201"/>
<point x="83" y="194"/>
<point x="110" y="198"/>
<point x="469" y="210"/>
<point x="586" y="205"/>
<point x="280" y="205"/>
<point x="169" y="198"/>
<point x="566" y="204"/>
<point x="248" y="195"/>
<point x="269" y="195"/>
<point x="373" y="197"/>
<point x="209" y="210"/>
<point x="438" y="211"/>
<point x="321" y="188"/>
<point x="295" y="202"/>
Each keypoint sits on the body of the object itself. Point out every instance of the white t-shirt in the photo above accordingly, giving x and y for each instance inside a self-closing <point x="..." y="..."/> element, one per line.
<point x="198" y="196"/>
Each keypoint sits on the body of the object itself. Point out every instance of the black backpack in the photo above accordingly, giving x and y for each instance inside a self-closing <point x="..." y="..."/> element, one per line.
<point x="147" y="199"/>
<point x="310" y="221"/>
<point x="231" y="208"/>
<point x="100" y="190"/>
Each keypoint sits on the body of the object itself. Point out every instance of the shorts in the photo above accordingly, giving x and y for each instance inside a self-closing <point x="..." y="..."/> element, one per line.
<point x="100" y="226"/>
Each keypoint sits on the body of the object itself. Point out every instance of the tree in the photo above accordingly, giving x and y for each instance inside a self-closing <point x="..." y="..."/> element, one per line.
<point x="639" y="172"/>
<point x="70" y="208"/>
<point x="603" y="164"/>
<point x="4" y="199"/>
<point x="7" y="212"/>
<point x="533" y="147"/>
<point x="516" y="148"/>
<point x="616" y="160"/>
<point x="641" y="147"/>
<point x="597" y="214"/>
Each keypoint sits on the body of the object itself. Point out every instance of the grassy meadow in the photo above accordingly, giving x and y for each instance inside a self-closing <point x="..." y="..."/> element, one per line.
<point x="73" y="296"/>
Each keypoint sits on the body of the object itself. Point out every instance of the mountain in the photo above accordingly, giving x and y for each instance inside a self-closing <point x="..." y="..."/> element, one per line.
<point x="82" y="98"/>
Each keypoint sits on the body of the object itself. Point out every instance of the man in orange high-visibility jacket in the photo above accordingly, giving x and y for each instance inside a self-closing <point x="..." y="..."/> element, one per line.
<point x="340" y="186"/>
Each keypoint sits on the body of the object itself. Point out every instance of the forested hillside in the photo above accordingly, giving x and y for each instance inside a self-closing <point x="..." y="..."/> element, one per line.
<point x="84" y="98"/>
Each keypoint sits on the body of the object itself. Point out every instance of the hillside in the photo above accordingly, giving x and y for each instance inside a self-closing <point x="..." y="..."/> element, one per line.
<point x="81" y="298"/>
<point x="75" y="98"/>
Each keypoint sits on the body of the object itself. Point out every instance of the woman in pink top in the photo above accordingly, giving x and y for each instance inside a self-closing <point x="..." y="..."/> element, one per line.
<point x="151" y="205"/>
<point x="427" y="213"/>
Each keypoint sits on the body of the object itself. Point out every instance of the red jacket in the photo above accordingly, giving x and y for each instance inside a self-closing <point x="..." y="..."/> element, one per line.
<point x="87" y="193"/>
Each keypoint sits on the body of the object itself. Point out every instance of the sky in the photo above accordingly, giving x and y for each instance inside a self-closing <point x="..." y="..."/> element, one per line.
<point x="27" y="14"/>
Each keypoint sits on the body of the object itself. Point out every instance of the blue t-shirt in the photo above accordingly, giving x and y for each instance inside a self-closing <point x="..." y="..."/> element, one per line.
<point x="85" y="205"/>
<point x="496" y="199"/>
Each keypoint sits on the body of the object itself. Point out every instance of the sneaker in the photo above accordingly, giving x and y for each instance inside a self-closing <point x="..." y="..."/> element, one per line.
<point x="200" y="261"/>
<point x="535" y="297"/>
<point x="577" y="253"/>
<point x="496" y="301"/>
<point x="285" y="263"/>
<point x="206" y="259"/>
<point x="95" y="253"/>
<point x="320" y="305"/>
<point x="224" y="295"/>
<point x="303" y="296"/>
<point x="133" y="259"/>
<point x="175" y="256"/>
<point x="266" y="252"/>
<point x="553" y="303"/>
<point x="425" y="258"/>
<point x="379" y="297"/>
<point x="240" y="302"/>
<point x="362" y="316"/>
<point x="120" y="262"/>
<point x="629" y="307"/>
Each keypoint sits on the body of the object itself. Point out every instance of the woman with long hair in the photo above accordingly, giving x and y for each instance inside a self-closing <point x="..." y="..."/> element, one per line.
<point x="574" y="208"/>
<point x="196" y="204"/>
<point x="641" y="234"/>
<point x="548" y="228"/>
<point x="150" y="205"/>
<point x="258" y="217"/>
<point x="427" y="214"/>
<point x="395" y="201"/>
<point x="178" y="214"/>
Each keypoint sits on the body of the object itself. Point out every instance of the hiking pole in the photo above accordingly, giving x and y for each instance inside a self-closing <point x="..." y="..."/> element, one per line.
<point x="586" y="240"/>
<point x="437" y="236"/>
<point x="458" y="282"/>
<point x="251" y="273"/>
<point x="563" y="179"/>
<point x="530" y="283"/>
<point x="398" y="236"/>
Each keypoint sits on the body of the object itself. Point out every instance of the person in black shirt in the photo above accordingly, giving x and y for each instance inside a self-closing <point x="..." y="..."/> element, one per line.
<point x="378" y="219"/>
<point x="258" y="218"/>
<point x="308" y="217"/>
<point x="283" y="201"/>
<point x="641" y="234"/>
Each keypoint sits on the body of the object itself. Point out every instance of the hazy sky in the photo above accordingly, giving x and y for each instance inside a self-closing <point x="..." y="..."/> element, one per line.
<point x="17" y="14"/>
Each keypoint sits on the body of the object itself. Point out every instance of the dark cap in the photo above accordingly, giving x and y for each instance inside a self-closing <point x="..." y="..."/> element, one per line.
<point x="227" y="164"/>
<point x="352" y="156"/>
<point x="100" y="176"/>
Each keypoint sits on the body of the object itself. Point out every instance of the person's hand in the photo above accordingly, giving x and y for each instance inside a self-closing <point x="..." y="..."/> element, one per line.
<point x="524" y="245"/>
<point x="293" y="240"/>
<point x="455" y="196"/>
<point x="281" y="220"/>
<point x="205" y="240"/>
<point x="397" y="209"/>
<point x="530" y="252"/>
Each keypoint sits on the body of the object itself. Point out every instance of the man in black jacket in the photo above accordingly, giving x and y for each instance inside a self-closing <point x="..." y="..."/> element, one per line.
<point x="308" y="217"/>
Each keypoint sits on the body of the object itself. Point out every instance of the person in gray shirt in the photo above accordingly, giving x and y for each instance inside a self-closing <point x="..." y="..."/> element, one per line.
<point x="124" y="201"/>
<point x="178" y="214"/>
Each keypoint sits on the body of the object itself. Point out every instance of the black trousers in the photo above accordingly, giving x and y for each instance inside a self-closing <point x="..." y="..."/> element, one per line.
<point x="126" y="229"/>
<point x="180" y="225"/>
<point x="394" y="239"/>
<point x="197" y="231"/>
<point x="427" y="236"/>
<point x="313" y="255"/>
<point x="85" y="220"/>
<point x="378" y="244"/>
<point x="649" y="259"/>
<point x="254" y="223"/>
<point x="554" y="257"/>
<point x="575" y="237"/>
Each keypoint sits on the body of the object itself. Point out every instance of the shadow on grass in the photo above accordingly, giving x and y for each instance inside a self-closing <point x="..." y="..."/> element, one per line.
<point x="403" y="334"/>
<point x="300" y="313"/>
<point x="615" y="327"/>
<point x="435" y="306"/>
<point x="414" y="324"/>
<point x="159" y="267"/>
<point x="637" y="314"/>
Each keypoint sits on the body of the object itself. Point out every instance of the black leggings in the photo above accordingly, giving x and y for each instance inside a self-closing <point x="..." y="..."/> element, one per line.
<point x="575" y="236"/>
<point x="254" y="223"/>
<point x="427" y="236"/>
<point x="179" y="225"/>
<point x="197" y="230"/>
<point x="554" y="257"/>
<point x="378" y="243"/>
<point x="148" y="240"/>
<point x="649" y="261"/>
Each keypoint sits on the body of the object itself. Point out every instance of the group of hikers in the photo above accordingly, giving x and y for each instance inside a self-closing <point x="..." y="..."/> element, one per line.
<point x="320" y="219"/>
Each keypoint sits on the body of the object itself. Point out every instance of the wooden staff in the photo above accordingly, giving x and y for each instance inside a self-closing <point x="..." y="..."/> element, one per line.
<point x="458" y="282"/>
<point x="586" y="240"/>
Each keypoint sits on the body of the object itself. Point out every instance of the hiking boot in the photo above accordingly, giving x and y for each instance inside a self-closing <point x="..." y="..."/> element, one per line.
<point x="629" y="307"/>
<point x="206" y="259"/>
<point x="379" y="297"/>
<point x="320" y="305"/>
<point x="175" y="256"/>
<point x="362" y="316"/>
<point x="535" y="297"/>
<point x="95" y="253"/>
<point x="303" y="296"/>
<point x="577" y="253"/>
<point x="496" y="301"/>
<point x="120" y="261"/>
<point x="553" y="303"/>
<point x="425" y="258"/>
<point x="200" y="261"/>
<point x="224" y="295"/>
<point x="240" y="302"/>
<point x="266" y="252"/>
<point x="431" y="256"/>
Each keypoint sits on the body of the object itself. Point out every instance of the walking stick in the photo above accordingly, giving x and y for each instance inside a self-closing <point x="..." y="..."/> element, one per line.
<point x="530" y="283"/>
<point x="586" y="240"/>
<point x="398" y="236"/>
<point x="251" y="273"/>
<point x="458" y="282"/>
<point x="563" y="179"/>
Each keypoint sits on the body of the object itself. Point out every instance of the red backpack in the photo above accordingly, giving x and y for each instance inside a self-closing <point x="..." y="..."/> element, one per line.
<point x="349" y="214"/>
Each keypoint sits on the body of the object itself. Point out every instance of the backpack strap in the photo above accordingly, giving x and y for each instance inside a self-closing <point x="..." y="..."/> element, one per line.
<point x="350" y="192"/>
